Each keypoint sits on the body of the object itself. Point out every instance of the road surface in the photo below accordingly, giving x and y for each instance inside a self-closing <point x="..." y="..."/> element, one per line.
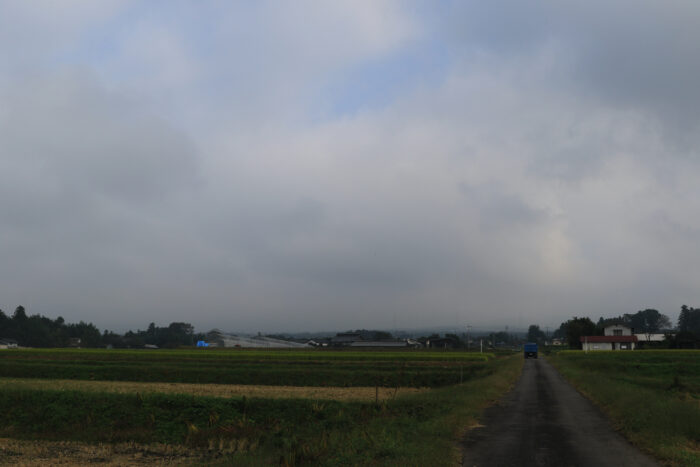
<point x="544" y="421"/>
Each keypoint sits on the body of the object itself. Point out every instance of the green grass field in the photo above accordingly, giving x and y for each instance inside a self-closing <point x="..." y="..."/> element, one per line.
<point x="414" y="429"/>
<point x="652" y="396"/>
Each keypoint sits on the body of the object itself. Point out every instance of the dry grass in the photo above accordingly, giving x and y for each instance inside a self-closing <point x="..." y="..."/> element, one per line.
<point x="213" y="390"/>
<point x="41" y="453"/>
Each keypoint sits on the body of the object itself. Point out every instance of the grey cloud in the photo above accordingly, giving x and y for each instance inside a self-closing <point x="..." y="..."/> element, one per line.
<point x="88" y="185"/>
<point x="80" y="139"/>
<point x="499" y="210"/>
<point x="638" y="54"/>
<point x="530" y="183"/>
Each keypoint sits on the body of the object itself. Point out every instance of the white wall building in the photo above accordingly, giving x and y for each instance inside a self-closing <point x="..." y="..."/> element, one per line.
<point x="617" y="330"/>
<point x="617" y="337"/>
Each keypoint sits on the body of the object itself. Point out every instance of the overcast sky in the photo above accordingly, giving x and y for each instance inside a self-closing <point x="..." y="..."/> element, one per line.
<point x="319" y="165"/>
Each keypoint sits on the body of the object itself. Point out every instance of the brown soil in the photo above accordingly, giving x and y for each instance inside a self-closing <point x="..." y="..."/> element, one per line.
<point x="41" y="453"/>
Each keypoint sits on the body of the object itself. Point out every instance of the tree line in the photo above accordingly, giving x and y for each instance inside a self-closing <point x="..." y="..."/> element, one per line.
<point x="648" y="321"/>
<point x="40" y="331"/>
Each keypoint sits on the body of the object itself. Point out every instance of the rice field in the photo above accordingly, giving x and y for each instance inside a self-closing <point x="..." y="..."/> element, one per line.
<point x="106" y="407"/>
<point x="250" y="367"/>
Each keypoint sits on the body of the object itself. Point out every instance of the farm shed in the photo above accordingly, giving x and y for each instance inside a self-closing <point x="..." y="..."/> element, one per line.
<point x="8" y="343"/>
<point x="442" y="343"/>
<point x="217" y="338"/>
<point x="652" y="337"/>
<point x="609" y="342"/>
<point x="346" y="338"/>
<point x="388" y="344"/>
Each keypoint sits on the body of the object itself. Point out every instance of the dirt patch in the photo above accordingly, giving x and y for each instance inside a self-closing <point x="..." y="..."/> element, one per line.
<point x="214" y="390"/>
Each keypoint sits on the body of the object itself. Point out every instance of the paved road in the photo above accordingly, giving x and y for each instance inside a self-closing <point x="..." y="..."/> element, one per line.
<point x="544" y="421"/>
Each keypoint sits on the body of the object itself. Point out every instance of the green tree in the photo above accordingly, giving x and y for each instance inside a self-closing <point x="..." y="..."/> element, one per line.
<point x="647" y="322"/>
<point x="535" y="334"/>
<point x="578" y="327"/>
<point x="20" y="314"/>
<point x="88" y="334"/>
<point x="560" y="333"/>
<point x="5" y="324"/>
<point x="458" y="343"/>
<point x="688" y="328"/>
<point x="689" y="320"/>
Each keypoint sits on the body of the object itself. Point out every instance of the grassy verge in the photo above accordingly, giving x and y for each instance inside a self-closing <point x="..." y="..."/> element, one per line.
<point x="643" y="396"/>
<point x="419" y="429"/>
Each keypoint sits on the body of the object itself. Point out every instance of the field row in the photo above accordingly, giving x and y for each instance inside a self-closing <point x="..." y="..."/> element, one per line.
<point x="291" y="369"/>
<point x="275" y="355"/>
<point x="366" y="394"/>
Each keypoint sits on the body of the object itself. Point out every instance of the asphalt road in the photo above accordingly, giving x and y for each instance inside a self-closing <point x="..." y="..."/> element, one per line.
<point x="544" y="421"/>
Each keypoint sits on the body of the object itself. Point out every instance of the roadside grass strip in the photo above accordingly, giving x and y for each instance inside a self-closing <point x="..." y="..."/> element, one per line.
<point x="416" y="429"/>
<point x="367" y="394"/>
<point x="652" y="397"/>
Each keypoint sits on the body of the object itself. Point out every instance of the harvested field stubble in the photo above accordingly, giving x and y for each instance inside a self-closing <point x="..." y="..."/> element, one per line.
<point x="214" y="390"/>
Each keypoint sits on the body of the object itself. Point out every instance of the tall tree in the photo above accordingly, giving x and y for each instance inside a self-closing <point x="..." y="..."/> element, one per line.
<point x="649" y="322"/>
<point x="20" y="314"/>
<point x="535" y="334"/>
<point x="689" y="320"/>
<point x="576" y="328"/>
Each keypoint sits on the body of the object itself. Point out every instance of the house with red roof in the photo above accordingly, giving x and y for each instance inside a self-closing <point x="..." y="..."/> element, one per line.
<point x="616" y="337"/>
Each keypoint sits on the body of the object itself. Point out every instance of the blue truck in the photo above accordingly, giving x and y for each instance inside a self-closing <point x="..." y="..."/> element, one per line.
<point x="530" y="350"/>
